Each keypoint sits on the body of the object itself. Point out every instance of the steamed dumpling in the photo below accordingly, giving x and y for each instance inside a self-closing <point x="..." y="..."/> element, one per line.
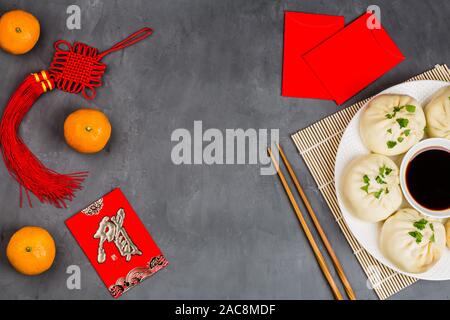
<point x="447" y="232"/>
<point x="391" y="124"/>
<point x="371" y="188"/>
<point x="437" y="113"/>
<point x="411" y="241"/>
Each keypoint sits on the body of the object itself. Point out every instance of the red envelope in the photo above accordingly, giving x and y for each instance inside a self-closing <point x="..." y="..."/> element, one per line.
<point x="353" y="58"/>
<point x="116" y="242"/>
<point x="302" y="32"/>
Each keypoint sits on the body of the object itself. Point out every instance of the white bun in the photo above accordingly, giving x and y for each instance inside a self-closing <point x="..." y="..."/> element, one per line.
<point x="437" y="112"/>
<point x="399" y="241"/>
<point x="364" y="196"/>
<point x="391" y="124"/>
<point x="447" y="232"/>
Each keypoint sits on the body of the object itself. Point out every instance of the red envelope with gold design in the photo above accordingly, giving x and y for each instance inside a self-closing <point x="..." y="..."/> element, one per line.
<point x="116" y="242"/>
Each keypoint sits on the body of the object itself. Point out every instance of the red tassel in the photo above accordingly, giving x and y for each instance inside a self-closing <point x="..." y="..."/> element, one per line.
<point x="46" y="184"/>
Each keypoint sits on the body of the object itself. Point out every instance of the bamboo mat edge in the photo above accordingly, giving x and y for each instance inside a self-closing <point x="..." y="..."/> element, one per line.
<point x="317" y="144"/>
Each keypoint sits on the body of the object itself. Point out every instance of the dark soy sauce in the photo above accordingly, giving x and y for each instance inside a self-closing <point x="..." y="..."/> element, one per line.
<point x="428" y="179"/>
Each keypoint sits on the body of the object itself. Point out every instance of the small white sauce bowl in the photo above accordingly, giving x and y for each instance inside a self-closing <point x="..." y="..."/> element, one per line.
<point x="424" y="145"/>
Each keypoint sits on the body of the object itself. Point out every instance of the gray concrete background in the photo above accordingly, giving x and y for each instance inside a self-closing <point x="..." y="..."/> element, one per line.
<point x="228" y="232"/>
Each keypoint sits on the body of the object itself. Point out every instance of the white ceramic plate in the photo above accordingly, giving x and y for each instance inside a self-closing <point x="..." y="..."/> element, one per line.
<point x="352" y="146"/>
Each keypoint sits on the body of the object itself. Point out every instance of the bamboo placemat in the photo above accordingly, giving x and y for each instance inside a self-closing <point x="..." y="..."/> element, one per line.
<point x="318" y="146"/>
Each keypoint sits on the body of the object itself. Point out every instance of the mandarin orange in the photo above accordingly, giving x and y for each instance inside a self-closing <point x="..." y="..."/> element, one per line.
<point x="31" y="250"/>
<point x="87" y="130"/>
<point x="19" y="31"/>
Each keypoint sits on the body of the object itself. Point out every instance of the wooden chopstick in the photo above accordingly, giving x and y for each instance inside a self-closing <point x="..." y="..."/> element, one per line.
<point x="337" y="264"/>
<point x="312" y="242"/>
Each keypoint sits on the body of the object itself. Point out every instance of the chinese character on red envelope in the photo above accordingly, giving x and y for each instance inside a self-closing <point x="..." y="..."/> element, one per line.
<point x="116" y="242"/>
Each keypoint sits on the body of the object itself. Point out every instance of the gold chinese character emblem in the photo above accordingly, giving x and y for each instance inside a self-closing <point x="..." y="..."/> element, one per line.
<point x="111" y="229"/>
